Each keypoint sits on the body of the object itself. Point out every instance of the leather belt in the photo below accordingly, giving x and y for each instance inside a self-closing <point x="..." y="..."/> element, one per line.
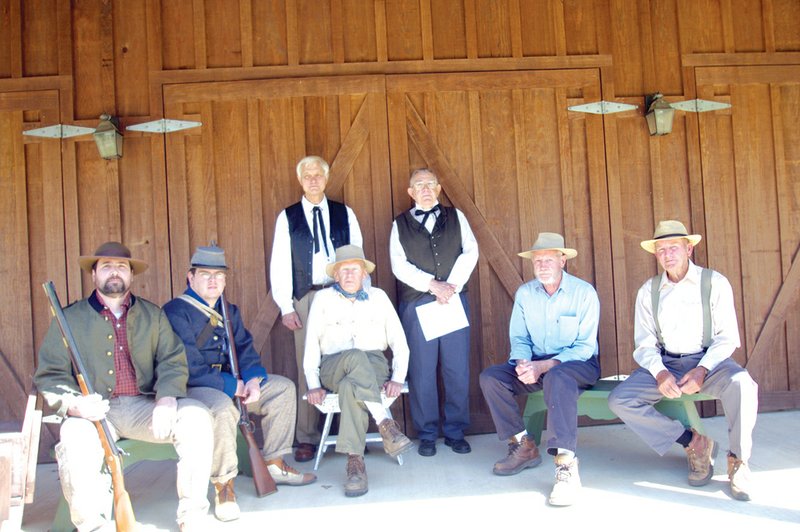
<point x="320" y="286"/>
<point x="664" y="352"/>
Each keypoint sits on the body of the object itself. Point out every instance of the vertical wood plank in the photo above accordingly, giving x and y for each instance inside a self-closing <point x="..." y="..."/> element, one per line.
<point x="426" y="28"/>
<point x="768" y="22"/>
<point x="728" y="34"/>
<point x="381" y="44"/>
<point x="471" y="28"/>
<point x="15" y="38"/>
<point x="515" y="26"/>
<point x="64" y="36"/>
<point x="338" y="29"/>
<point x="560" y="29"/>
<point x="292" y="33"/>
<point x="246" y="25"/>
<point x="199" y="17"/>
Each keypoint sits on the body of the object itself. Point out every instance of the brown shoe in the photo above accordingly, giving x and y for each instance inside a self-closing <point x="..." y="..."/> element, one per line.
<point x="356" y="484"/>
<point x="282" y="473"/>
<point x="225" y="506"/>
<point x="700" y="453"/>
<point x="521" y="455"/>
<point x="739" y="475"/>
<point x="394" y="441"/>
<point x="305" y="452"/>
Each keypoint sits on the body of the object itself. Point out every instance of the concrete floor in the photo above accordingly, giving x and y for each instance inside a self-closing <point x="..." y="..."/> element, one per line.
<point x="626" y="486"/>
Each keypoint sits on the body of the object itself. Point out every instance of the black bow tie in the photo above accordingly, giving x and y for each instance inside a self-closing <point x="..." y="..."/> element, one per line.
<point x="425" y="214"/>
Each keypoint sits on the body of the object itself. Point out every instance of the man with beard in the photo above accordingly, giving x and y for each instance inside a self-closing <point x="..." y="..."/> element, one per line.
<point x="137" y="367"/>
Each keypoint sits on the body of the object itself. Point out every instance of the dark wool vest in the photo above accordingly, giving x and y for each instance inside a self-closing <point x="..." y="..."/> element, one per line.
<point x="434" y="253"/>
<point x="303" y="242"/>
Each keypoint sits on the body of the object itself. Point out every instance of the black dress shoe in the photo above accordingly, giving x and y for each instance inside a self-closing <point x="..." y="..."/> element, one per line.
<point x="427" y="447"/>
<point x="305" y="452"/>
<point x="459" y="446"/>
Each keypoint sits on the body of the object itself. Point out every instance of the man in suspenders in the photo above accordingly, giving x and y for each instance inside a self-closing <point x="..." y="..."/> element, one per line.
<point x="685" y="331"/>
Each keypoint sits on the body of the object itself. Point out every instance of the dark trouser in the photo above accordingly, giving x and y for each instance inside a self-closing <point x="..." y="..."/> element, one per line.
<point x="451" y="354"/>
<point x="562" y="386"/>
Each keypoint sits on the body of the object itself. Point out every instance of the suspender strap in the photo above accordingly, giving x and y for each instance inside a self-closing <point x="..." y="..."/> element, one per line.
<point x="214" y="319"/>
<point x="705" y="298"/>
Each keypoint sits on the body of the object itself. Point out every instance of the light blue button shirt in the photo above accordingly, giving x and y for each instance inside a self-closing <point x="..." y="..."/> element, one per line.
<point x="564" y="324"/>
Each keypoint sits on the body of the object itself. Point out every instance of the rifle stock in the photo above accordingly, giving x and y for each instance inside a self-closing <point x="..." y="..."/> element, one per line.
<point x="264" y="483"/>
<point x="123" y="510"/>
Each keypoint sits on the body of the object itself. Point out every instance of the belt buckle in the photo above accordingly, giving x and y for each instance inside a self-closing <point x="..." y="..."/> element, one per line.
<point x="216" y="366"/>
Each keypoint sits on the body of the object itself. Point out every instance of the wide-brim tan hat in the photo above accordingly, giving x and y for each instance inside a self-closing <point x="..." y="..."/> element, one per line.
<point x="667" y="229"/>
<point x="112" y="250"/>
<point x="346" y="254"/>
<point x="549" y="242"/>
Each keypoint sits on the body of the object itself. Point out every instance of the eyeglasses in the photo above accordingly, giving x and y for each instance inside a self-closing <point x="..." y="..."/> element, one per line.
<point x="206" y="276"/>
<point x="419" y="185"/>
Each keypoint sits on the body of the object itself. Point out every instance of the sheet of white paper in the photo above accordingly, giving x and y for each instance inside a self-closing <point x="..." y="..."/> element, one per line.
<point x="437" y="319"/>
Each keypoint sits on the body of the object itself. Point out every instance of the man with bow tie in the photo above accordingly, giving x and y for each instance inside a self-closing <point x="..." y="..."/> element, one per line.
<point x="433" y="252"/>
<point x="307" y="235"/>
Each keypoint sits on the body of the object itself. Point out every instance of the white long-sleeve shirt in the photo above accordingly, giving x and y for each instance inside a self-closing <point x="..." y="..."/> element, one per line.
<point x="680" y="315"/>
<point x="420" y="280"/>
<point x="280" y="265"/>
<point x="336" y="323"/>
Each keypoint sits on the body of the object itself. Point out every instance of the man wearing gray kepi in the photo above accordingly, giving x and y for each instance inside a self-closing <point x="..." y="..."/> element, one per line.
<point x="196" y="317"/>
<point x="685" y="331"/>
<point x="307" y="235"/>
<point x="553" y="334"/>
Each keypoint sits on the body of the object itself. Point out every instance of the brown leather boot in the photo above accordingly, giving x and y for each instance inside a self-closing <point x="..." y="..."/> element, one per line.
<point x="739" y="476"/>
<point x="225" y="506"/>
<point x="394" y="441"/>
<point x="283" y="473"/>
<point x="521" y="455"/>
<point x="356" y="484"/>
<point x="700" y="453"/>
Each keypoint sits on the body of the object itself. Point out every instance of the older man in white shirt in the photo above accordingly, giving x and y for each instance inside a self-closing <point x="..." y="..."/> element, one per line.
<point x="685" y="332"/>
<point x="349" y="328"/>
<point x="307" y="235"/>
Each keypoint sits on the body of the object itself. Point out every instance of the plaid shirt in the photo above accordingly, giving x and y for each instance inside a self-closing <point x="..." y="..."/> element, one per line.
<point x="123" y="367"/>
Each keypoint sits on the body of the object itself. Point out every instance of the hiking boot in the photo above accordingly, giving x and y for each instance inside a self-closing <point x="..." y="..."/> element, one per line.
<point x="356" y="484"/>
<point x="394" y="441"/>
<point x="739" y="475"/>
<point x="225" y="506"/>
<point x="521" y="455"/>
<point x="283" y="473"/>
<point x="568" y="482"/>
<point x="700" y="453"/>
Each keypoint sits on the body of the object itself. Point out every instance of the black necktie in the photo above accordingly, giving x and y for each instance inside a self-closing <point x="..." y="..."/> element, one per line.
<point x="319" y="227"/>
<point x="425" y="214"/>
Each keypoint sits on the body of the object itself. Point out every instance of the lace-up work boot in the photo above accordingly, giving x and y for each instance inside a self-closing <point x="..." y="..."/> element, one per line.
<point x="356" y="484"/>
<point x="521" y="455"/>
<point x="701" y="453"/>
<point x="225" y="506"/>
<point x="394" y="441"/>
<point x="568" y="482"/>
<point x="739" y="475"/>
<point x="283" y="473"/>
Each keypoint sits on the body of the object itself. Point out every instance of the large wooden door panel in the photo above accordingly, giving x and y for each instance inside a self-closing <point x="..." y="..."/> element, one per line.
<point x="516" y="162"/>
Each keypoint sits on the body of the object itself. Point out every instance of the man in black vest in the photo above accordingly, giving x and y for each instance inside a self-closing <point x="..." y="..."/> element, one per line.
<point x="306" y="237"/>
<point x="433" y="253"/>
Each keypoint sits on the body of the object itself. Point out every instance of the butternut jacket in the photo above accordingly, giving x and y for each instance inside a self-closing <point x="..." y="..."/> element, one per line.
<point x="157" y="354"/>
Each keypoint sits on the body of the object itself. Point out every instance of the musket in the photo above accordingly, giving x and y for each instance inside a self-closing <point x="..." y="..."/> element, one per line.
<point x="123" y="511"/>
<point x="265" y="484"/>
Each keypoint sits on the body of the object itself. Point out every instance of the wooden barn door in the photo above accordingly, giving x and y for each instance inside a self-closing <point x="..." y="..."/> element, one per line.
<point x="32" y="234"/>
<point x="229" y="179"/>
<point x="752" y="215"/>
<point x="513" y="158"/>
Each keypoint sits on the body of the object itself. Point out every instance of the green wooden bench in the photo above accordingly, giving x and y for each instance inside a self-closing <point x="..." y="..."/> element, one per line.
<point x="136" y="451"/>
<point x="593" y="403"/>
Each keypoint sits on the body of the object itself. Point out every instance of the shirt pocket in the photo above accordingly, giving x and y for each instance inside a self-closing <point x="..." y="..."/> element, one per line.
<point x="567" y="330"/>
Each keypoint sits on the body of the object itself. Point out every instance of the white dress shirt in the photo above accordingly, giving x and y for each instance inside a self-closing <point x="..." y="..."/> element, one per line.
<point x="336" y="323"/>
<point x="280" y="265"/>
<point x="419" y="280"/>
<point x="680" y="315"/>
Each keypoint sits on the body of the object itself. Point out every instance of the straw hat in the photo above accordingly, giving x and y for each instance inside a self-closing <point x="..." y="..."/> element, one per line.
<point x="667" y="229"/>
<point x="549" y="241"/>
<point x="211" y="257"/>
<point x="112" y="250"/>
<point x="348" y="253"/>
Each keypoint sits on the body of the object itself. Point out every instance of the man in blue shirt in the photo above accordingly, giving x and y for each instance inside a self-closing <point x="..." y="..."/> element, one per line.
<point x="553" y="334"/>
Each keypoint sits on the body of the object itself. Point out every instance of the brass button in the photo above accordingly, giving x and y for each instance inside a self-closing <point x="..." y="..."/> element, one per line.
<point x="109" y="353"/>
<point x="110" y="336"/>
<point x="111" y="372"/>
<point x="109" y="389"/>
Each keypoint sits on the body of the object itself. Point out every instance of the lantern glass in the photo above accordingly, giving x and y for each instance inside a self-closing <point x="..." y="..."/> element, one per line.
<point x="108" y="138"/>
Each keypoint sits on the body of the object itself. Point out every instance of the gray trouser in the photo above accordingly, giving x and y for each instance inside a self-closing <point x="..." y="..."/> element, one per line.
<point x="632" y="401"/>
<point x="357" y="376"/>
<point x="307" y="415"/>
<point x="86" y="486"/>
<point x="277" y="406"/>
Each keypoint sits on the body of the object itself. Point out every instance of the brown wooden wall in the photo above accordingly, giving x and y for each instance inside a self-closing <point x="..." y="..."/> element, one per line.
<point x="476" y="89"/>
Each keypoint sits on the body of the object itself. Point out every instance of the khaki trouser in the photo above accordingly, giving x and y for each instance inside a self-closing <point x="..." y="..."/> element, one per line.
<point x="276" y="404"/>
<point x="307" y="415"/>
<point x="87" y="487"/>
<point x="357" y="376"/>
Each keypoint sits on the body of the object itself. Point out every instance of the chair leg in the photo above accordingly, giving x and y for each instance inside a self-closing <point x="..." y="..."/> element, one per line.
<point x="323" y="445"/>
